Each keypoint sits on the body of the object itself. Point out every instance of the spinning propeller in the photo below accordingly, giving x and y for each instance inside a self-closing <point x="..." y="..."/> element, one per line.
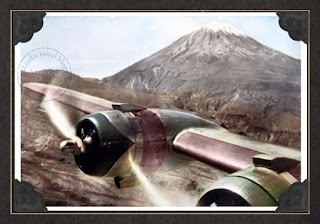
<point x="121" y="140"/>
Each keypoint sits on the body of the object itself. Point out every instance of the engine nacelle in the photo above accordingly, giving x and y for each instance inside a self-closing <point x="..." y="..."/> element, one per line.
<point x="104" y="142"/>
<point x="110" y="143"/>
<point x="256" y="186"/>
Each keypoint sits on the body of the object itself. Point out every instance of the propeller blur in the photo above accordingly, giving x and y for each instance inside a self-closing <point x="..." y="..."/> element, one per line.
<point x="129" y="142"/>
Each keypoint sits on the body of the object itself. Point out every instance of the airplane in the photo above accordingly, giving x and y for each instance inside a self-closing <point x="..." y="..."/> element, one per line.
<point x="115" y="139"/>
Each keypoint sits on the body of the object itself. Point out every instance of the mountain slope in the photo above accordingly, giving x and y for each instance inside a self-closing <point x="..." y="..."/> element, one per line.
<point x="218" y="63"/>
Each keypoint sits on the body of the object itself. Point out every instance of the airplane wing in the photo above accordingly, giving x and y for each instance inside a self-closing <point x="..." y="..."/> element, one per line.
<point x="83" y="102"/>
<point x="229" y="151"/>
<point x="260" y="172"/>
<point x="120" y="140"/>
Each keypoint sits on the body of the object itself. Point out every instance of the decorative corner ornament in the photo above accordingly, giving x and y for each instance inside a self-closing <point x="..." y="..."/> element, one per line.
<point x="25" y="24"/>
<point x="295" y="199"/>
<point x="26" y="199"/>
<point x="296" y="23"/>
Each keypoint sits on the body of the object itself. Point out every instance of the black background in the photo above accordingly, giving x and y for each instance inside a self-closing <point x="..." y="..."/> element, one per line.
<point x="6" y="6"/>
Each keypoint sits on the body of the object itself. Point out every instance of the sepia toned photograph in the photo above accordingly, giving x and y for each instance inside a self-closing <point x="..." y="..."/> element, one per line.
<point x="161" y="111"/>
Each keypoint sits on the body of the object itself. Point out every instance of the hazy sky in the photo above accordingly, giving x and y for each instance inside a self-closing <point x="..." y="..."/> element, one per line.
<point x="101" y="45"/>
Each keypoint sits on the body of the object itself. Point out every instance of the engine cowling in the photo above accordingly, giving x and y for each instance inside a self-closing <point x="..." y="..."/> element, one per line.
<point x="104" y="142"/>
<point x="110" y="143"/>
<point x="258" y="185"/>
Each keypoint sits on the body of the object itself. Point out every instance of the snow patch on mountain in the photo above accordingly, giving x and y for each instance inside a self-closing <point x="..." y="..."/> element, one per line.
<point x="132" y="83"/>
<point x="217" y="26"/>
<point x="155" y="70"/>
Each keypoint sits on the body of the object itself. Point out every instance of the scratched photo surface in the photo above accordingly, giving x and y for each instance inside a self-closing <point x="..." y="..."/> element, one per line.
<point x="242" y="73"/>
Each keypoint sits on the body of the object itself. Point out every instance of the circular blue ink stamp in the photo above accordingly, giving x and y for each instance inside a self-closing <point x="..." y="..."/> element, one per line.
<point x="45" y="70"/>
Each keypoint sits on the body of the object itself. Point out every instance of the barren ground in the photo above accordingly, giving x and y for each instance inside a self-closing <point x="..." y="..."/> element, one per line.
<point x="56" y="176"/>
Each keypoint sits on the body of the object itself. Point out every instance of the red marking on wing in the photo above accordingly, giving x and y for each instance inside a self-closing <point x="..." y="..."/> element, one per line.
<point x="50" y="93"/>
<point x="154" y="141"/>
<point x="222" y="155"/>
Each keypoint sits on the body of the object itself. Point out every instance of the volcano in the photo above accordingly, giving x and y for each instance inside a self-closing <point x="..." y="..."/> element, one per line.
<point x="220" y="64"/>
<point x="217" y="60"/>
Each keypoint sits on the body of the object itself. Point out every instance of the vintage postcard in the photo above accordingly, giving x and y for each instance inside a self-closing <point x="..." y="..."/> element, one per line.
<point x="180" y="111"/>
